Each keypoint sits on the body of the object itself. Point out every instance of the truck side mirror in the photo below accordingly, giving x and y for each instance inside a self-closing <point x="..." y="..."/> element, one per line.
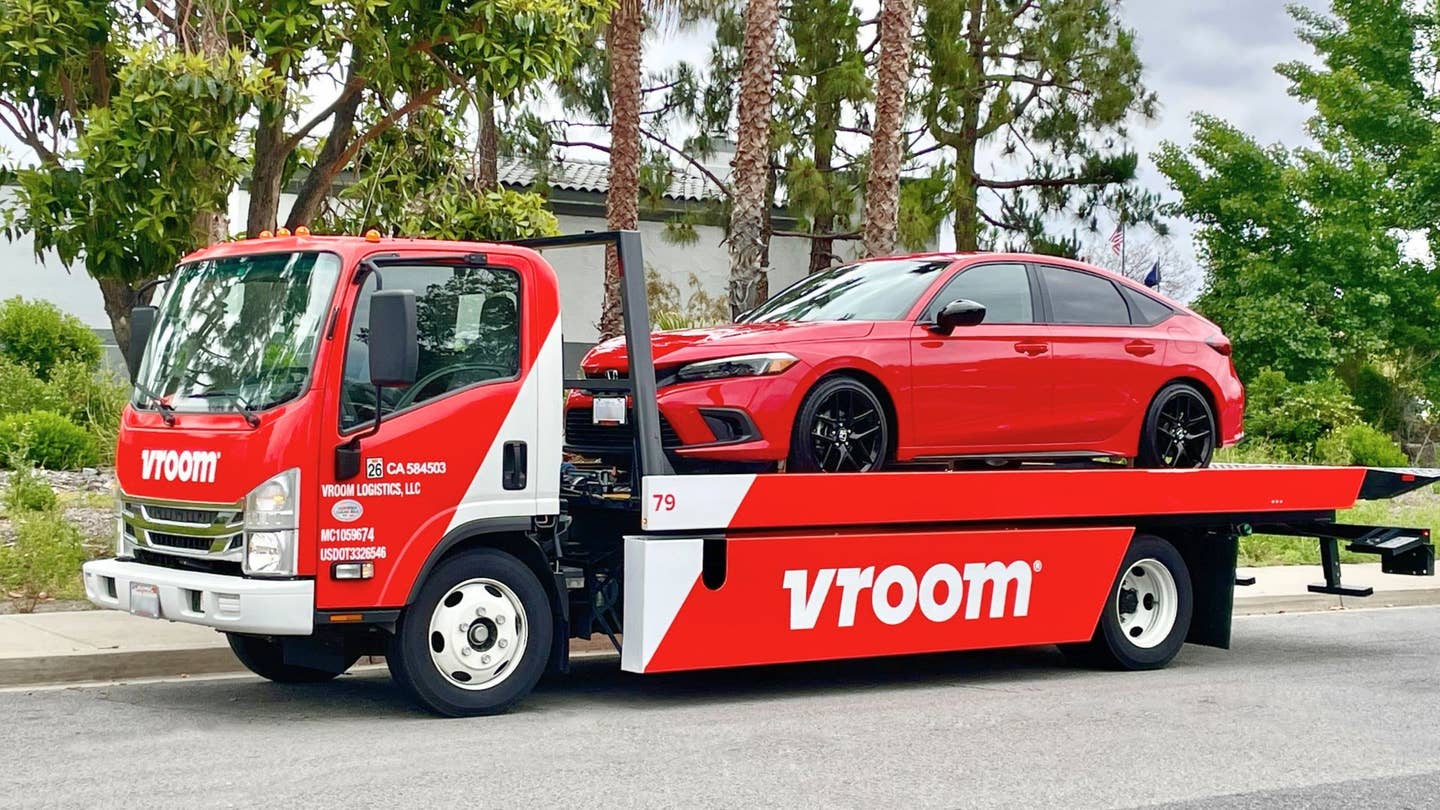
<point x="142" y="323"/>
<point x="961" y="312"/>
<point x="393" y="341"/>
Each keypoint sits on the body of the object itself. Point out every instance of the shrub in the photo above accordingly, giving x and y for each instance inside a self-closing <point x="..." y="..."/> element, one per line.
<point x="1254" y="450"/>
<point x="92" y="399"/>
<point x="44" y="561"/>
<point x="1294" y="416"/>
<point x="26" y="492"/>
<point x="1362" y="445"/>
<point x="21" y="390"/>
<point x="46" y="439"/>
<point x="37" y="334"/>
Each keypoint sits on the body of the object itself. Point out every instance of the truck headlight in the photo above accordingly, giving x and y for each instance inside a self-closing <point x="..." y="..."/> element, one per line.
<point x="271" y="526"/>
<point x="745" y="365"/>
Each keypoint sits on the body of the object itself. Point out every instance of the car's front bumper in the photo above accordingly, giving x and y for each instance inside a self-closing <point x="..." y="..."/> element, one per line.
<point x="283" y="607"/>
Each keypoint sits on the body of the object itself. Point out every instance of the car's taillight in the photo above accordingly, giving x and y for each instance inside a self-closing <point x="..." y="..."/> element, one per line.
<point x="1219" y="343"/>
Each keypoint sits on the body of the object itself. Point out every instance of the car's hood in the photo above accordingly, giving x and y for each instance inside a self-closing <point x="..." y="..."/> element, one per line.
<point x="689" y="345"/>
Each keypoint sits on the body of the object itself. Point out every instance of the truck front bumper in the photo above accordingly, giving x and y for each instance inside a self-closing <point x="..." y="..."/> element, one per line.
<point x="283" y="607"/>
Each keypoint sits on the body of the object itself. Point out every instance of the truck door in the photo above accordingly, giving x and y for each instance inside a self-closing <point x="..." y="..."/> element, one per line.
<point x="457" y="447"/>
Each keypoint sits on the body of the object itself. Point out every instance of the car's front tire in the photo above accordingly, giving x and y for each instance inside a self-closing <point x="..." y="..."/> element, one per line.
<point x="1179" y="431"/>
<point x="842" y="426"/>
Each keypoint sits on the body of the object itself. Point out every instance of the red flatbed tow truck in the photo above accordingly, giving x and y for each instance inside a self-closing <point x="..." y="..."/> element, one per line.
<point x="348" y="446"/>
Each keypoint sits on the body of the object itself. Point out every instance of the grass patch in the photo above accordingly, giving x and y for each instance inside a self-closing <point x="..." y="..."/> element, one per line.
<point x="1418" y="510"/>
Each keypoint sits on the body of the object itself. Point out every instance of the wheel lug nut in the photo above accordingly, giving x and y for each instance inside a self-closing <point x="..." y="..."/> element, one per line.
<point x="499" y="619"/>
<point x="479" y="611"/>
<point x="484" y="659"/>
<point x="464" y="650"/>
<point x="464" y="628"/>
<point x="502" y="643"/>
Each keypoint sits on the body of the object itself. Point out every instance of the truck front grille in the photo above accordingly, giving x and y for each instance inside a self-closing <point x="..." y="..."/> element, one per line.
<point x="193" y="531"/>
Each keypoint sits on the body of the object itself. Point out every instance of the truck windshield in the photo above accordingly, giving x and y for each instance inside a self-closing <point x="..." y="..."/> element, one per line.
<point x="237" y="333"/>
<point x="881" y="290"/>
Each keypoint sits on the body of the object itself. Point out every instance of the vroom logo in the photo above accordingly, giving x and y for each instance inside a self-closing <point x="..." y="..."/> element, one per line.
<point x="189" y="466"/>
<point x="895" y="592"/>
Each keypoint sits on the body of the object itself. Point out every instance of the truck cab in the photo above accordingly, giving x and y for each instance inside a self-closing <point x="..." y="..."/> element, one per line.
<point x="268" y="486"/>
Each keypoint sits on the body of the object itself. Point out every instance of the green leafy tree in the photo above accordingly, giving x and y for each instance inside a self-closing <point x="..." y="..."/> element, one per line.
<point x="1026" y="102"/>
<point x="1306" y="248"/>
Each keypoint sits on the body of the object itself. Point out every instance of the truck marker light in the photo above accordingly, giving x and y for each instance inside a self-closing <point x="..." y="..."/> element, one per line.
<point x="352" y="570"/>
<point x="264" y="235"/>
<point x="302" y="231"/>
<point x="282" y="232"/>
<point x="372" y="235"/>
<point x="346" y="618"/>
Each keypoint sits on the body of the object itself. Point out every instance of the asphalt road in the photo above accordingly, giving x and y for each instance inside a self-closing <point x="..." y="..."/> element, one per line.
<point x="1318" y="710"/>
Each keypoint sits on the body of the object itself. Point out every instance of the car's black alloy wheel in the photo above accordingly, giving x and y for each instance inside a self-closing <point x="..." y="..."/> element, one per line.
<point x="841" y="427"/>
<point x="1179" y="429"/>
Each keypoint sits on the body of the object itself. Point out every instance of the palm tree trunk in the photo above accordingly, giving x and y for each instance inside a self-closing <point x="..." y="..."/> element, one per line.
<point x="752" y="155"/>
<point x="882" y="191"/>
<point x="622" y="199"/>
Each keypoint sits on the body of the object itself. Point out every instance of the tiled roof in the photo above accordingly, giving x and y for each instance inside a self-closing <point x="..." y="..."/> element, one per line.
<point x="575" y="175"/>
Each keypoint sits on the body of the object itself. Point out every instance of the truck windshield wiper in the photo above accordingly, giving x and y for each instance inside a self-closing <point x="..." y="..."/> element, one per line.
<point x="167" y="411"/>
<point x="240" y="404"/>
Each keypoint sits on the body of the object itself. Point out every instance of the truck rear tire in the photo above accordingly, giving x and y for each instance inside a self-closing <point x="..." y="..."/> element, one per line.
<point x="477" y="637"/>
<point x="1147" y="612"/>
<point x="264" y="657"/>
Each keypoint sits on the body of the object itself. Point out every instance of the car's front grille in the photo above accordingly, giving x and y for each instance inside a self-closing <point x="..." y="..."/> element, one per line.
<point x="582" y="435"/>
<point x="179" y="529"/>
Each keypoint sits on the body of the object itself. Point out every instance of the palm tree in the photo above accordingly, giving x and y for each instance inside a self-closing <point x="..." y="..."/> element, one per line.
<point x="882" y="190"/>
<point x="622" y="198"/>
<point x="752" y="155"/>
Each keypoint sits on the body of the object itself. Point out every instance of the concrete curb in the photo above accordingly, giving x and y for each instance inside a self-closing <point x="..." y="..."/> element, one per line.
<point x="159" y="662"/>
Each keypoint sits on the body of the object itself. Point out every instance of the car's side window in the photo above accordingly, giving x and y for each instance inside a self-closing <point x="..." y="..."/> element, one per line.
<point x="1145" y="310"/>
<point x="1004" y="289"/>
<point x="1082" y="298"/>
<point x="468" y="322"/>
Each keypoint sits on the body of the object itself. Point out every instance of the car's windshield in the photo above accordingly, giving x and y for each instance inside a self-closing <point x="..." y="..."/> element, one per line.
<point x="238" y="332"/>
<point x="881" y="290"/>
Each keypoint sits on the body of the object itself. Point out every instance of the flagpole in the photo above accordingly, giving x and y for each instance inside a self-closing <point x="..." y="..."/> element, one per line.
<point x="1123" y="240"/>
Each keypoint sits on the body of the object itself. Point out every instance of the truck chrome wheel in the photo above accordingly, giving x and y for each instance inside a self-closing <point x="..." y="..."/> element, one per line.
<point x="477" y="631"/>
<point x="1146" y="603"/>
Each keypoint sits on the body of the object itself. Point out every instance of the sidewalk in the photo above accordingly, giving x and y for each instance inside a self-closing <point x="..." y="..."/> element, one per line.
<point x="104" y="645"/>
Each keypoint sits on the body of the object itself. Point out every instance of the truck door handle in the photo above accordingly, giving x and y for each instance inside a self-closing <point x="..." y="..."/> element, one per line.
<point x="512" y="473"/>
<point x="1031" y="349"/>
<point x="1140" y="348"/>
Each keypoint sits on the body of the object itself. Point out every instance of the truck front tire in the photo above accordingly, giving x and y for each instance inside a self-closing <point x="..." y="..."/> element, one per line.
<point x="1147" y="611"/>
<point x="477" y="637"/>
<point x="264" y="657"/>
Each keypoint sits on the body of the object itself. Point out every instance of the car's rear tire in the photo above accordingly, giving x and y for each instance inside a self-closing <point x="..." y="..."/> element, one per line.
<point x="842" y="426"/>
<point x="264" y="657"/>
<point x="1147" y="611"/>
<point x="477" y="637"/>
<point x="1179" y="431"/>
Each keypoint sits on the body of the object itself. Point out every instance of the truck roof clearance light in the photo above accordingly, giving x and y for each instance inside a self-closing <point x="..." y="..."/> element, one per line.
<point x="372" y="235"/>
<point x="302" y="231"/>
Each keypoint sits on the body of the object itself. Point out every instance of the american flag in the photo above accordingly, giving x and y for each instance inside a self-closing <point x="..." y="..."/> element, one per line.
<point x="1117" y="239"/>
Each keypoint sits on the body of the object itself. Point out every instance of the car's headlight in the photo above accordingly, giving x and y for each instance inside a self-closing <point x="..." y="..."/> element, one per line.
<point x="746" y="365"/>
<point x="271" y="526"/>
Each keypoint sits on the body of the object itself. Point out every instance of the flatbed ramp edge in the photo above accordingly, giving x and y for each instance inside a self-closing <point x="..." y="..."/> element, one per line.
<point x="911" y="562"/>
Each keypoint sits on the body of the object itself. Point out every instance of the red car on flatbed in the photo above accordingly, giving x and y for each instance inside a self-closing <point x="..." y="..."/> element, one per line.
<point x="1002" y="356"/>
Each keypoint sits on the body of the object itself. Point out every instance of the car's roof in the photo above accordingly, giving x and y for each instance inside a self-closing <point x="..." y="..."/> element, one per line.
<point x="972" y="257"/>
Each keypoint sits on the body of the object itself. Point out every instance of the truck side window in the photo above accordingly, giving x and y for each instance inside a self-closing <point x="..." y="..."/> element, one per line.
<point x="468" y="321"/>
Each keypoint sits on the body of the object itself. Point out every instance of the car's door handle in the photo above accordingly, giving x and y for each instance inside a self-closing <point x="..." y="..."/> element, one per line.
<point x="1140" y="348"/>
<point x="1032" y="349"/>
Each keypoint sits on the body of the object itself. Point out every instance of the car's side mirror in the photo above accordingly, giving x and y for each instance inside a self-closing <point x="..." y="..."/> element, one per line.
<point x="962" y="312"/>
<point x="142" y="323"/>
<point x="393" y="342"/>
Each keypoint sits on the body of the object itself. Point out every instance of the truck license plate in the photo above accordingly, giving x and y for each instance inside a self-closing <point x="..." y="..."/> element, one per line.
<point x="608" y="411"/>
<point x="144" y="600"/>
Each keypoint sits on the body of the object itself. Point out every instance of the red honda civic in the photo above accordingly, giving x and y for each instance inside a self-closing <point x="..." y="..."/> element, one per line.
<point x="993" y="356"/>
